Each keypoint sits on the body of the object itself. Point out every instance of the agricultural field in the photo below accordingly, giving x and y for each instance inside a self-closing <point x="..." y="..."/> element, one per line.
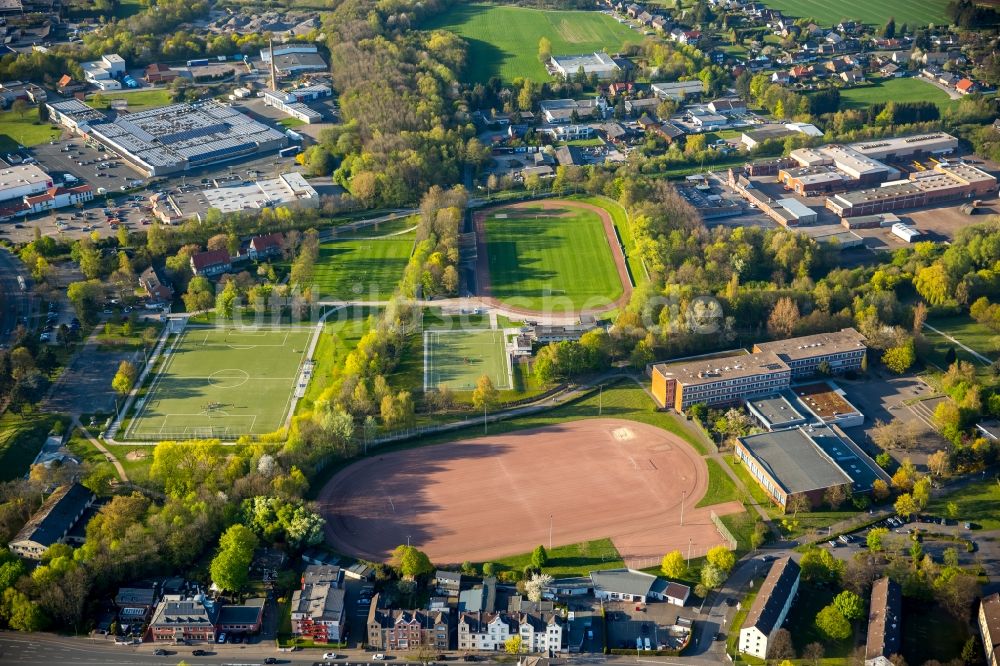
<point x="912" y="89"/>
<point x="829" y="13"/>
<point x="365" y="268"/>
<point x="549" y="252"/>
<point x="503" y="40"/>
<point x="26" y="130"/>
<point x="223" y="382"/>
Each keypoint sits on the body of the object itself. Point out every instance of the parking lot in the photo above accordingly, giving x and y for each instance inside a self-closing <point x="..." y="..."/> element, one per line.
<point x="628" y="622"/>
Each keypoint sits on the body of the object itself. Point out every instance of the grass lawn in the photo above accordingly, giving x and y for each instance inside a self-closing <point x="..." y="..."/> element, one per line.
<point x="21" y="438"/>
<point x="81" y="447"/>
<point x="138" y="100"/>
<point x="937" y="351"/>
<point x="829" y="13"/>
<point x="26" y="131"/>
<point x="559" y="257"/>
<point x="970" y="333"/>
<point x="931" y="632"/>
<point x="801" y="621"/>
<point x="291" y="122"/>
<point x="223" y="382"/>
<point x="620" y="218"/>
<point x="977" y="502"/>
<point x="577" y="559"/>
<point x="457" y="359"/>
<point x="720" y="486"/>
<point x="912" y="89"/>
<point x="127" y="8"/>
<point x="503" y="40"/>
<point x="339" y="338"/>
<point x="367" y="268"/>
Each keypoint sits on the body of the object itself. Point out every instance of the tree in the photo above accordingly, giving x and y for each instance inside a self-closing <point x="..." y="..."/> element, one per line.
<point x="875" y="538"/>
<point x="850" y="605"/>
<point x="784" y="318"/>
<point x="901" y="357"/>
<point x="781" y="646"/>
<point x="722" y="557"/>
<point x="938" y="463"/>
<point x="535" y="586"/>
<point x="905" y="505"/>
<point x="832" y="624"/>
<point x="20" y="107"/>
<point x="818" y="565"/>
<point x="712" y="576"/>
<point x="539" y="557"/>
<point x="513" y="644"/>
<point x="485" y="397"/>
<point x="797" y="503"/>
<point x="813" y="652"/>
<point x="124" y="379"/>
<point x="544" y="49"/>
<point x="20" y="612"/>
<point x="673" y="564"/>
<point x="922" y="492"/>
<point x="489" y="569"/>
<point x="889" y="29"/>
<point x="411" y="562"/>
<point x="230" y="569"/>
<point x="835" y="496"/>
<point x="880" y="490"/>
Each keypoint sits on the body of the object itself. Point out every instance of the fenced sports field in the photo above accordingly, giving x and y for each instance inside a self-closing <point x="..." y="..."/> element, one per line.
<point x="222" y="382"/>
<point x="457" y="359"/>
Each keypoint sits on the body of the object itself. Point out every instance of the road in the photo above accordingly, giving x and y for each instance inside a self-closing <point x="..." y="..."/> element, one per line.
<point x="17" y="303"/>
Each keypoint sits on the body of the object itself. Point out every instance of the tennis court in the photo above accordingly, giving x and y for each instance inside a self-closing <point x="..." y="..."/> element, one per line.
<point x="457" y="359"/>
<point x="222" y="382"/>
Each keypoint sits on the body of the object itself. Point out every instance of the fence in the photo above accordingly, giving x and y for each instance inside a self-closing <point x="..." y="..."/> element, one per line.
<point x="724" y="531"/>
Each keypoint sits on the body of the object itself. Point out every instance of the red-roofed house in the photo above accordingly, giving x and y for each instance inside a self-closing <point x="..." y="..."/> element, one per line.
<point x="58" y="197"/>
<point x="267" y="245"/>
<point x="67" y="86"/>
<point x="155" y="288"/>
<point x="966" y="86"/>
<point x="213" y="262"/>
<point x="157" y="73"/>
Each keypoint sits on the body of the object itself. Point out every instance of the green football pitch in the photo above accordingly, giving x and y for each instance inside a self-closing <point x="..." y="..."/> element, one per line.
<point x="222" y="383"/>
<point x="503" y="40"/>
<point x="825" y="12"/>
<point x="541" y="257"/>
<point x="457" y="359"/>
<point x="362" y="268"/>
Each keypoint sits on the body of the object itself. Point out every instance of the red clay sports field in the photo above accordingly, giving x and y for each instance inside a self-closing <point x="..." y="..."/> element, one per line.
<point x="493" y="496"/>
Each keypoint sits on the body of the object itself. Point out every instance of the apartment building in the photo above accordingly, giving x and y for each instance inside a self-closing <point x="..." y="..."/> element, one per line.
<point x="391" y="629"/>
<point x="770" y="608"/>
<point x="718" y="381"/>
<point x="884" y="623"/>
<point x="318" y="605"/>
<point x="989" y="626"/>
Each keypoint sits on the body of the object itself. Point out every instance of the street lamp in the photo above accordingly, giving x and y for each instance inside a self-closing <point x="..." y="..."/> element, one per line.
<point x="683" y="497"/>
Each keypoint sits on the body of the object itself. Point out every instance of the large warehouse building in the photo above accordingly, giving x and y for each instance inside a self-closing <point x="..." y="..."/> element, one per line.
<point x="601" y="64"/>
<point x="174" y="138"/>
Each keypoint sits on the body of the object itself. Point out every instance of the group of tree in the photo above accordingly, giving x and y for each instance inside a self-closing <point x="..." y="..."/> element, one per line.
<point x="433" y="267"/>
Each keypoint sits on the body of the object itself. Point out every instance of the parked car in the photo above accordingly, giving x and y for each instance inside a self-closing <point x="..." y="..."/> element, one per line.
<point x="330" y="655"/>
<point x="159" y="652"/>
<point x="378" y="656"/>
<point x="221" y="638"/>
<point x="198" y="653"/>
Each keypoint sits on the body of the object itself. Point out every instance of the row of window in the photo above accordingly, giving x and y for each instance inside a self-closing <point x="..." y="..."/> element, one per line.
<point x="758" y="474"/>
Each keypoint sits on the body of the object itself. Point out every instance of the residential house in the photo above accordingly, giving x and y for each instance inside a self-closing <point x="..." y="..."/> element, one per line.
<point x="157" y="291"/>
<point x="211" y="262"/>
<point x="448" y="583"/>
<point x="67" y="85"/>
<point x="485" y="631"/>
<point x="568" y="110"/>
<point x="135" y="604"/>
<point x="569" y="156"/>
<point x="891" y="69"/>
<point x="660" y="23"/>
<point x="645" y="18"/>
<point x="852" y="76"/>
<point x="769" y="608"/>
<point x="727" y="107"/>
<point x="408" y="629"/>
<point x="53" y="522"/>
<point x="179" y="619"/>
<point x="58" y="197"/>
<point x="627" y="585"/>
<point x="268" y="245"/>
<point x="243" y="619"/>
<point x="633" y="10"/>
<point x="318" y="604"/>
<point x="637" y="107"/>
<point x="541" y="632"/>
<point x="781" y="77"/>
<point x="884" y="622"/>
<point x="966" y="86"/>
<point x="989" y="626"/>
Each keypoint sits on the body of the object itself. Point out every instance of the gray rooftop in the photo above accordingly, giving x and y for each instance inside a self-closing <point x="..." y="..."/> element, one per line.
<point x="627" y="581"/>
<point x="772" y="596"/>
<point x="776" y="410"/>
<point x="57" y="515"/>
<point x="793" y="459"/>
<point x="821" y="344"/>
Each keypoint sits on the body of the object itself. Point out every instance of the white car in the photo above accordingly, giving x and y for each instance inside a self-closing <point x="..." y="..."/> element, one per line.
<point x="330" y="655"/>
<point x="378" y="657"/>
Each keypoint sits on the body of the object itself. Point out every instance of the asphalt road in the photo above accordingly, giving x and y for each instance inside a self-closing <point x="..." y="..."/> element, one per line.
<point x="16" y="303"/>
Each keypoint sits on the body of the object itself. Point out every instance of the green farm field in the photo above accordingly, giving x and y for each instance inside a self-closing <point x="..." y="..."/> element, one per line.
<point x="458" y="359"/>
<point x="913" y="89"/>
<point x="223" y="382"/>
<point x="542" y="255"/>
<point x="367" y="268"/>
<point x="914" y="14"/>
<point x="503" y="41"/>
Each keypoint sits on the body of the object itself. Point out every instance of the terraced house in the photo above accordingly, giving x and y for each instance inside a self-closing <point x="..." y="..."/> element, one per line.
<point x="407" y="629"/>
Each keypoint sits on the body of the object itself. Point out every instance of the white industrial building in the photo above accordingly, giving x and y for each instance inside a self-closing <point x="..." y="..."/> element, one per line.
<point x="291" y="59"/>
<point x="896" y="148"/>
<point x="104" y="73"/>
<point x="598" y="63"/>
<point x="288" y="189"/>
<point x="905" y="232"/>
<point x="22" y="180"/>
<point x="173" y="138"/>
<point x="677" y="90"/>
<point x="801" y="212"/>
<point x="292" y="102"/>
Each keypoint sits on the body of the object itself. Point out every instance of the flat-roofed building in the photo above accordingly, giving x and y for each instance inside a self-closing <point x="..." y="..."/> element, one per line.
<point x="806" y="461"/>
<point x="599" y="63"/>
<point x="811" y="180"/>
<point x="769" y="608"/>
<point x="23" y="180"/>
<point x="896" y="148"/>
<point x="989" y="626"/>
<point x="776" y="412"/>
<point x="827" y="403"/>
<point x="801" y="213"/>
<point x="717" y="381"/>
<point x="318" y="605"/>
<point x="678" y="90"/>
<point x="753" y="138"/>
<point x="841" y="350"/>
<point x="884" y="622"/>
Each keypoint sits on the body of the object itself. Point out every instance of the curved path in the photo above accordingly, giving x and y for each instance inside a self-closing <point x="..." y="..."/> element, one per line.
<point x="483" y="261"/>
<point x="501" y="495"/>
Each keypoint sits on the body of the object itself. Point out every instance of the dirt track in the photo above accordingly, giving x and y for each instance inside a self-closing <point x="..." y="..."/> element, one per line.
<point x="483" y="260"/>
<point x="493" y="496"/>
